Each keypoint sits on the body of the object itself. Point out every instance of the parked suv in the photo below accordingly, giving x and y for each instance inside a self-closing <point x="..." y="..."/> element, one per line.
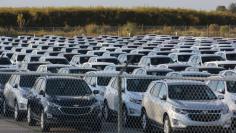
<point x="226" y="90"/>
<point x="15" y="95"/>
<point x="63" y="101"/>
<point x="132" y="94"/>
<point x="177" y="105"/>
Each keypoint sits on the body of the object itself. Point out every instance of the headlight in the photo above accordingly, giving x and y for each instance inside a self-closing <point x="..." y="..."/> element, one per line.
<point x="225" y="110"/>
<point x="24" y="94"/>
<point x="179" y="111"/>
<point x="136" y="101"/>
<point x="97" y="104"/>
<point x="53" y="105"/>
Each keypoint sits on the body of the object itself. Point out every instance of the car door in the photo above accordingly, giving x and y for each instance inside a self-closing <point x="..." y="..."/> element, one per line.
<point x="8" y="90"/>
<point x="14" y="92"/>
<point x="34" y="97"/>
<point x="31" y="96"/>
<point x="162" y="103"/>
<point x="112" y="93"/>
<point x="40" y="99"/>
<point x="150" y="107"/>
<point x="156" y="103"/>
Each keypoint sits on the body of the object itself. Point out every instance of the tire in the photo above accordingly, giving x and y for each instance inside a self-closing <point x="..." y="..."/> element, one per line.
<point x="5" y="109"/>
<point x="145" y="123"/>
<point x="30" y="120"/>
<point x="125" y="118"/>
<point x="167" y="126"/>
<point x="97" y="126"/>
<point x="107" y="113"/>
<point x="43" y="124"/>
<point x="17" y="114"/>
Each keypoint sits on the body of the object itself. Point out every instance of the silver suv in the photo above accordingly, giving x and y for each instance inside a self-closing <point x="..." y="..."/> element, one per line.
<point x="178" y="105"/>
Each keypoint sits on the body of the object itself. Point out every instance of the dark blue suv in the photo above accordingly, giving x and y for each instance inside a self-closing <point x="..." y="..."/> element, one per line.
<point x="63" y="101"/>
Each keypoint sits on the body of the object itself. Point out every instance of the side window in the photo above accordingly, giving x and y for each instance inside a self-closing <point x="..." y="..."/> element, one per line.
<point x="93" y="80"/>
<point x="38" y="85"/>
<point x="115" y="84"/>
<point x="163" y="91"/>
<point x="12" y="79"/>
<point x="221" y="86"/>
<point x="43" y="84"/>
<point x="156" y="89"/>
<point x="88" y="79"/>
<point x="213" y="84"/>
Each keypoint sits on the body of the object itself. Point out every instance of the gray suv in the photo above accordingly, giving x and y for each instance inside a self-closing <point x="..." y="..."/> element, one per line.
<point x="178" y="105"/>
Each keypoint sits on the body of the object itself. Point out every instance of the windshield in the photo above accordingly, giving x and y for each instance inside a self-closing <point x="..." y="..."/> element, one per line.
<point x="54" y="69"/>
<point x="212" y="70"/>
<point x="231" y="86"/>
<point x="34" y="59"/>
<point x="20" y="57"/>
<point x="58" y="61"/>
<point x="28" y="80"/>
<point x="5" y="61"/>
<point x="67" y="87"/>
<point x="231" y="57"/>
<point x="134" y="59"/>
<point x="4" y="78"/>
<point x="103" y="81"/>
<point x="158" y="73"/>
<point x="184" y="58"/>
<point x="84" y="59"/>
<point x="212" y="58"/>
<point x="190" y="92"/>
<point x="109" y="60"/>
<point x="138" y="85"/>
<point x="161" y="60"/>
<point x="69" y="56"/>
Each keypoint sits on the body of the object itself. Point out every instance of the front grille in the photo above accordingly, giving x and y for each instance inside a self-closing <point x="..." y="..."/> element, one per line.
<point x="80" y="103"/>
<point x="205" y="116"/>
<point x="76" y="111"/>
<point x="233" y="122"/>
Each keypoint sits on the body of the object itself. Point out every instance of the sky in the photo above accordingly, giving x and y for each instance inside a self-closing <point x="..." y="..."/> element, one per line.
<point x="191" y="4"/>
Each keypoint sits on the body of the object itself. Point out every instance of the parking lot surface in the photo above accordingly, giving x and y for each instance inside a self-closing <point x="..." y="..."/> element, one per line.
<point x="8" y="125"/>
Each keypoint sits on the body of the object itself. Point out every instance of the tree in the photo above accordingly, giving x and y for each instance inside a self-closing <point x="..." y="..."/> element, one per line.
<point x="221" y="8"/>
<point x="20" y="21"/>
<point x="232" y="7"/>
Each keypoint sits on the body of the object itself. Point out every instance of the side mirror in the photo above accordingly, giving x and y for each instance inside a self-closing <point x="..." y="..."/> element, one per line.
<point x="164" y="97"/>
<point x="222" y="91"/>
<point x="16" y="86"/>
<point x="220" y="97"/>
<point x="96" y="92"/>
<point x="93" y="85"/>
<point x="42" y="93"/>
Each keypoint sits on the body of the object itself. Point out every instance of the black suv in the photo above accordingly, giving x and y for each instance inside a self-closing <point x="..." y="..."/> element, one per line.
<point x="63" y="101"/>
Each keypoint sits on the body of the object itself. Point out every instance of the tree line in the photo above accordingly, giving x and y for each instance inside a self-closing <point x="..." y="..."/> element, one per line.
<point x="81" y="16"/>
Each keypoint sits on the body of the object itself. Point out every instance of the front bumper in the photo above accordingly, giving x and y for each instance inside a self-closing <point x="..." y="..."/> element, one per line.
<point x="183" y="121"/>
<point x="134" y="110"/>
<point x="57" y="117"/>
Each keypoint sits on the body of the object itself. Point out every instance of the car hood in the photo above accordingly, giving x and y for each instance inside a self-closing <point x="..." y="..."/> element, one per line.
<point x="198" y="105"/>
<point x="231" y="96"/>
<point x="136" y="95"/>
<point x="70" y="101"/>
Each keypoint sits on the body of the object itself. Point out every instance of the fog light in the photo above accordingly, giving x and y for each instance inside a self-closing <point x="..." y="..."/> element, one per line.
<point x="49" y="115"/>
<point x="22" y="106"/>
<point x="175" y="122"/>
<point x="133" y="111"/>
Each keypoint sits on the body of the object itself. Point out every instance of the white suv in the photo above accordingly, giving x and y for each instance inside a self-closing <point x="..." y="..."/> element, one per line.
<point x="226" y="90"/>
<point x="132" y="95"/>
<point x="178" y="105"/>
<point x="15" y="95"/>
